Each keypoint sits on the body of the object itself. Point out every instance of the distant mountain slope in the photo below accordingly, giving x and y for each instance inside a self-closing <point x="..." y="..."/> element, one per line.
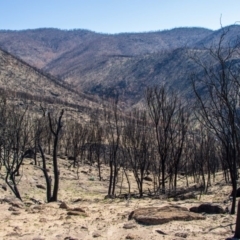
<point x="39" y="47"/>
<point x="232" y="35"/>
<point x="46" y="48"/>
<point x="19" y="77"/>
<point x="130" y="76"/>
<point x="100" y="64"/>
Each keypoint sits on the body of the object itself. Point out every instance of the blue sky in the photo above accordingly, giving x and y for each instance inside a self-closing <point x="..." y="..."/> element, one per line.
<point x="114" y="16"/>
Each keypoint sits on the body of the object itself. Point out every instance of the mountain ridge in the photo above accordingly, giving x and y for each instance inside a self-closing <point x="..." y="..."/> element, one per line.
<point x="96" y="63"/>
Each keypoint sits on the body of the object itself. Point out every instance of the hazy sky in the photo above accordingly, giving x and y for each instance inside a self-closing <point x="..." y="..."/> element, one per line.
<point x="114" y="16"/>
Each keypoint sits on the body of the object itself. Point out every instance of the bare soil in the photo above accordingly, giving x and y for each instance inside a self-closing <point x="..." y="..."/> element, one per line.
<point x="90" y="216"/>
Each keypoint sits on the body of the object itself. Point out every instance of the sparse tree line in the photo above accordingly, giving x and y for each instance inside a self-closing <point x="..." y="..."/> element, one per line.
<point x="169" y="139"/>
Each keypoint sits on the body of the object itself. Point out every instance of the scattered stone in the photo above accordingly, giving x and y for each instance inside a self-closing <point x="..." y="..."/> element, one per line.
<point x="39" y="208"/>
<point x="16" y="213"/>
<point x="186" y="196"/>
<point x="131" y="236"/>
<point x="160" y="215"/>
<point x="59" y="236"/>
<point x="70" y="238"/>
<point x="180" y="234"/>
<point x="4" y="187"/>
<point x="44" y="220"/>
<point x="147" y="178"/>
<point x="41" y="186"/>
<point x="129" y="225"/>
<point x="161" y="232"/>
<point x="63" y="205"/>
<point x="13" y="234"/>
<point x="35" y="201"/>
<point x="96" y="234"/>
<point x="12" y="209"/>
<point x="75" y="213"/>
<point x="207" y="208"/>
<point x="78" y="209"/>
<point x="38" y="238"/>
<point x="15" y="202"/>
<point x="29" y="153"/>
<point x="28" y="204"/>
<point x="77" y="200"/>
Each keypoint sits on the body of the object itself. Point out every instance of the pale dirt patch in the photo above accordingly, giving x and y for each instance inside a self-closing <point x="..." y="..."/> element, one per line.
<point x="105" y="218"/>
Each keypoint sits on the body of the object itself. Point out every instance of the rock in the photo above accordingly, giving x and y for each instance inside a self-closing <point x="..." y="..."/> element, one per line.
<point x="71" y="158"/>
<point x="160" y="232"/>
<point x="75" y="213"/>
<point x="129" y="225"/>
<point x="147" y="178"/>
<point x="182" y="235"/>
<point x="83" y="227"/>
<point x="38" y="208"/>
<point x="16" y="213"/>
<point x="207" y="208"/>
<point x="160" y="215"/>
<point x="78" y="209"/>
<point x="35" y="201"/>
<point x="63" y="205"/>
<point x="187" y="196"/>
<point x="29" y="153"/>
<point x="13" y="234"/>
<point x="12" y="209"/>
<point x="4" y="187"/>
<point x="38" y="238"/>
<point x="59" y="236"/>
<point x="131" y="236"/>
<point x="41" y="186"/>
<point x="70" y="238"/>
<point x="96" y="234"/>
<point x="43" y="220"/>
<point x="15" y="202"/>
<point x="77" y="200"/>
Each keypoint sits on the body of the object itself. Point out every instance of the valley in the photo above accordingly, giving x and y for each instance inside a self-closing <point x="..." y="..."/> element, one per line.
<point x="119" y="136"/>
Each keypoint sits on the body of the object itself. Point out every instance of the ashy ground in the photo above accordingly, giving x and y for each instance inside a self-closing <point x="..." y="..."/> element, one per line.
<point x="83" y="213"/>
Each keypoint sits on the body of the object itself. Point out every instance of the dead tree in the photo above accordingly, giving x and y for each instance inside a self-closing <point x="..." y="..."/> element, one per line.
<point x="55" y="130"/>
<point x="136" y="142"/>
<point x="96" y="142"/>
<point x="217" y="91"/>
<point x="54" y="125"/>
<point x="113" y="134"/>
<point x="177" y="138"/>
<point x="15" y="140"/>
<point x="162" y="107"/>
